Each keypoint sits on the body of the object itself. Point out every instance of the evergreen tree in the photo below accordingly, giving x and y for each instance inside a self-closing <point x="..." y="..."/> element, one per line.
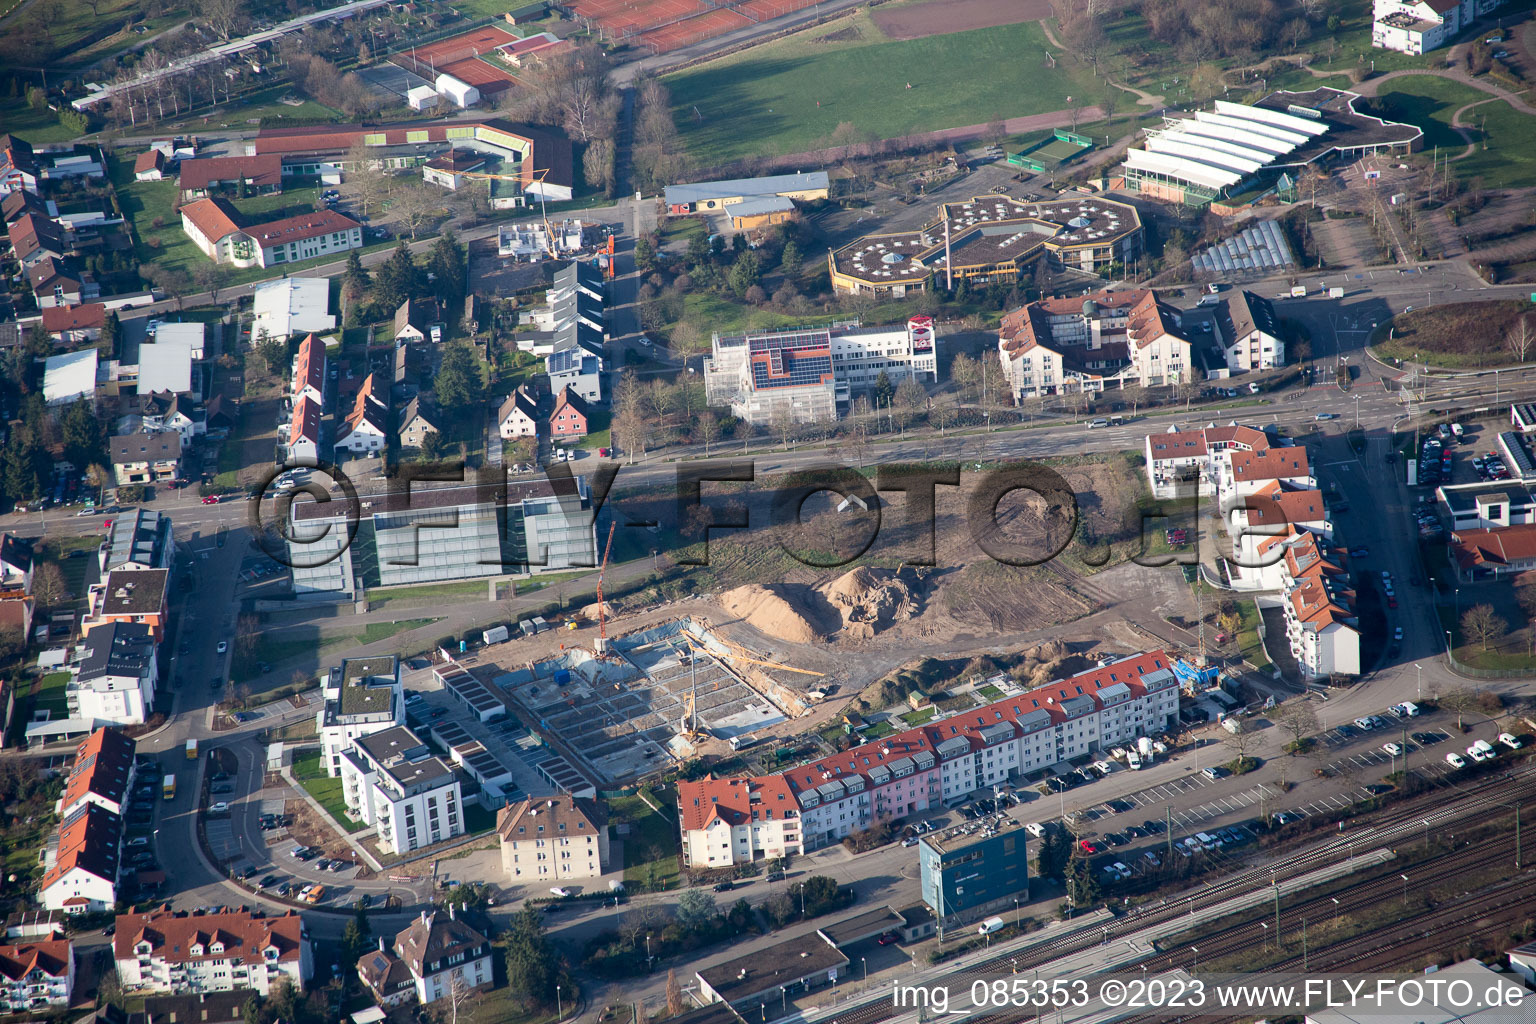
<point x="26" y="465"/>
<point x="111" y="327"/>
<point x="790" y="259"/>
<point x="884" y="390"/>
<point x="397" y="279"/>
<point x="745" y="272"/>
<point x="448" y="265"/>
<point x="356" y="278"/>
<point x="698" y="250"/>
<point x="84" y="439"/>
<point x="532" y="966"/>
<point x="460" y="382"/>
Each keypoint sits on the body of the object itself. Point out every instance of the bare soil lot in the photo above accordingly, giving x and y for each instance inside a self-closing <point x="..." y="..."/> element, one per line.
<point x="940" y="17"/>
<point x="1459" y="334"/>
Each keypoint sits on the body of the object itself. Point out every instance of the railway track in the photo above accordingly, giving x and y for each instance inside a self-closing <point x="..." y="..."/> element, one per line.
<point x="1387" y="829"/>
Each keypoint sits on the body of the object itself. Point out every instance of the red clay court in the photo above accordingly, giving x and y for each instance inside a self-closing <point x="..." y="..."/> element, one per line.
<point x="488" y="78"/>
<point x="662" y="25"/>
<point x="470" y="44"/>
<point x="685" y="33"/>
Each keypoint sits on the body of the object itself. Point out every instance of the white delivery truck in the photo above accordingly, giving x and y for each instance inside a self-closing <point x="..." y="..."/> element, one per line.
<point x="1133" y="760"/>
<point x="1335" y="293"/>
<point x="989" y="926"/>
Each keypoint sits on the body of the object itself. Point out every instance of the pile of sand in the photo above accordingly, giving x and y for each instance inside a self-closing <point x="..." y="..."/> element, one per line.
<point x="590" y="612"/>
<point x="769" y="612"/>
<point x="869" y="601"/>
<point x="1040" y="663"/>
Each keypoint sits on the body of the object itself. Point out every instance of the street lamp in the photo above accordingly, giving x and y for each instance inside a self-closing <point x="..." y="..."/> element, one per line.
<point x="1017" y="920"/>
<point x="1196" y="963"/>
<point x="1420" y="669"/>
<point x="559" y="1004"/>
<point x="1405" y="889"/>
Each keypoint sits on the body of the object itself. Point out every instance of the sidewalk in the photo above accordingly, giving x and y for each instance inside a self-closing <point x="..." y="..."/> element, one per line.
<point x="350" y="838"/>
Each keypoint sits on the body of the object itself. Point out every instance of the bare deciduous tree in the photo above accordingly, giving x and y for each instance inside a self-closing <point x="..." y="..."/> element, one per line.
<point x="1519" y="338"/>
<point x="1481" y="625"/>
<point x="1298" y="718"/>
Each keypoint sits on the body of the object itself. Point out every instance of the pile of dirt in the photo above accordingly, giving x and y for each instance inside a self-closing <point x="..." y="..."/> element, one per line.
<point x="869" y="601"/>
<point x="1041" y="663"/>
<point x="769" y="611"/>
<point x="591" y="611"/>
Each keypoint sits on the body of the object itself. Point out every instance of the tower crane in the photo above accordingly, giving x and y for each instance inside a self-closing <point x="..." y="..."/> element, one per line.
<point x="602" y="609"/>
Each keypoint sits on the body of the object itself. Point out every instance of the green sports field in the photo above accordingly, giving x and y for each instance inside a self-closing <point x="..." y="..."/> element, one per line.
<point x="762" y="101"/>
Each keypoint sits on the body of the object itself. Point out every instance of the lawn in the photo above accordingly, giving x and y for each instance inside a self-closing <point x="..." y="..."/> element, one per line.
<point x="1460" y="335"/>
<point x="922" y="716"/>
<point x="36" y="126"/>
<point x="1248" y="641"/>
<point x="51" y="696"/>
<point x="763" y="101"/>
<point x="375" y="631"/>
<point x="328" y="791"/>
<point x="650" y="849"/>
<point x="429" y="591"/>
<point x="1504" y="154"/>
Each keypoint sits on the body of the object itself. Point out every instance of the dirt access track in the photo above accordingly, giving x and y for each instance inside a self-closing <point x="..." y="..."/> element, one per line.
<point x="941" y="17"/>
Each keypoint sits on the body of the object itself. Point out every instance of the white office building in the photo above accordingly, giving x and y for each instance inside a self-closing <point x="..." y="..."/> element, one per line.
<point x="114" y="676"/>
<point x="391" y="780"/>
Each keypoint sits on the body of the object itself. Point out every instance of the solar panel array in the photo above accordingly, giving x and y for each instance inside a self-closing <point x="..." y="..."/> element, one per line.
<point x="472" y="692"/>
<point x="785" y="369"/>
<point x="1261" y="247"/>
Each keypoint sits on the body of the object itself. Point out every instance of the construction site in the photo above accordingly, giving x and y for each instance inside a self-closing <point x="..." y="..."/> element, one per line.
<point x="660" y="694"/>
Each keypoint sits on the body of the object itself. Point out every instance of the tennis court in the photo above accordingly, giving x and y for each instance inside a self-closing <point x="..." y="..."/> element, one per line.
<point x="645" y="15"/>
<point x="767" y="10"/>
<point x="470" y="44"/>
<point x="480" y="73"/>
<point x="685" y="33"/>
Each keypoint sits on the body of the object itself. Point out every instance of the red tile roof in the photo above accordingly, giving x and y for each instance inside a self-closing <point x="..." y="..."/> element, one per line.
<point x="149" y="160"/>
<point x="245" y="935"/>
<point x="309" y="368"/>
<point x="51" y="956"/>
<point x="299" y="228"/>
<point x="306" y="421"/>
<point x="213" y="218"/>
<point x="1183" y="444"/>
<point x="1275" y="506"/>
<point x="87" y="841"/>
<point x="1494" y="546"/>
<point x="103" y="762"/>
<point x="58" y="319"/>
<point x="1315" y="607"/>
<point x="259" y="171"/>
<point x="1270" y="464"/>
<point x="736" y="801"/>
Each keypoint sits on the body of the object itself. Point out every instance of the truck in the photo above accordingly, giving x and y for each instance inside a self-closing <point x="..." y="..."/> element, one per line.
<point x="191" y="750"/>
<point x="989" y="926"/>
<point x="168" y="786"/>
<point x="1133" y="759"/>
<point x="1298" y="291"/>
<point x="1335" y="293"/>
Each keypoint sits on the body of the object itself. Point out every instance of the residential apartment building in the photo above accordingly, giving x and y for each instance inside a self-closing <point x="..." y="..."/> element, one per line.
<point x="811" y="373"/>
<point x="16" y="563"/>
<point x="445" y="533"/>
<point x="303" y="439"/>
<point x="222" y="951"/>
<point x="80" y="872"/>
<point x="1493" y="552"/>
<point x="1250" y="333"/>
<point x="101" y="773"/>
<point x="1321" y="625"/>
<point x="925" y="768"/>
<point x="309" y="366"/>
<point x="391" y="780"/>
<point x="37" y="977"/>
<point x="1270" y="512"/>
<point x="553" y="839"/>
<point x="436" y="951"/>
<point x="1223" y="462"/>
<point x="115" y="673"/>
<point x="734" y="821"/>
<point x="1419" y="26"/>
<point x="568" y="419"/>
<point x="578" y="367"/>
<point x="145" y="458"/>
<point x="139" y="538"/>
<point x="361" y="696"/>
<point x="129" y="595"/>
<point x="1109" y="338"/>
<point x="966" y="871"/>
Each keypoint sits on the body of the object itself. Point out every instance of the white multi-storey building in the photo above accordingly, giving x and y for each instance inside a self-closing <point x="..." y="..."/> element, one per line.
<point x="552" y="839"/>
<point x="228" y="950"/>
<point x="35" y="976"/>
<point x="1224" y="462"/>
<point x="810" y="373"/>
<point x="362" y="696"/>
<point x="114" y="676"/>
<point x="80" y="875"/>
<point x="1250" y="333"/>
<point x="391" y="780"/>
<point x="737" y="820"/>
<point x="1109" y="338"/>
<point x="439" y="950"/>
<point x="1419" y="26"/>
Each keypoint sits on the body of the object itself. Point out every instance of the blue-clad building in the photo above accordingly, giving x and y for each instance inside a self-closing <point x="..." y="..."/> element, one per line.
<point x="974" y="868"/>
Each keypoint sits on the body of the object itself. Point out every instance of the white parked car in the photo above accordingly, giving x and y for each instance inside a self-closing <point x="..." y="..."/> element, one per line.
<point x="1510" y="740"/>
<point x="559" y="891"/>
<point x="218" y="808"/>
<point x="1393" y="749"/>
<point x="1455" y="760"/>
<point x="1103" y="767"/>
<point x="1035" y="829"/>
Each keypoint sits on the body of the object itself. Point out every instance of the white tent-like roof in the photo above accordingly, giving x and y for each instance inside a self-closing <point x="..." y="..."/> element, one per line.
<point x="1216" y="149"/>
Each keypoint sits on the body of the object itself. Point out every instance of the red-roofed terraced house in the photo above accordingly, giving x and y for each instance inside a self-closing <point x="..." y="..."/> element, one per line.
<point x="102" y="773"/>
<point x="922" y="769"/>
<point x="82" y="878"/>
<point x="181" y="953"/>
<point x="1181" y="463"/>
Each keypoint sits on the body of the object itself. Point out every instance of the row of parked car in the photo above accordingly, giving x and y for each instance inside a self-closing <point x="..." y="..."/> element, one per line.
<point x="1482" y="750"/>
